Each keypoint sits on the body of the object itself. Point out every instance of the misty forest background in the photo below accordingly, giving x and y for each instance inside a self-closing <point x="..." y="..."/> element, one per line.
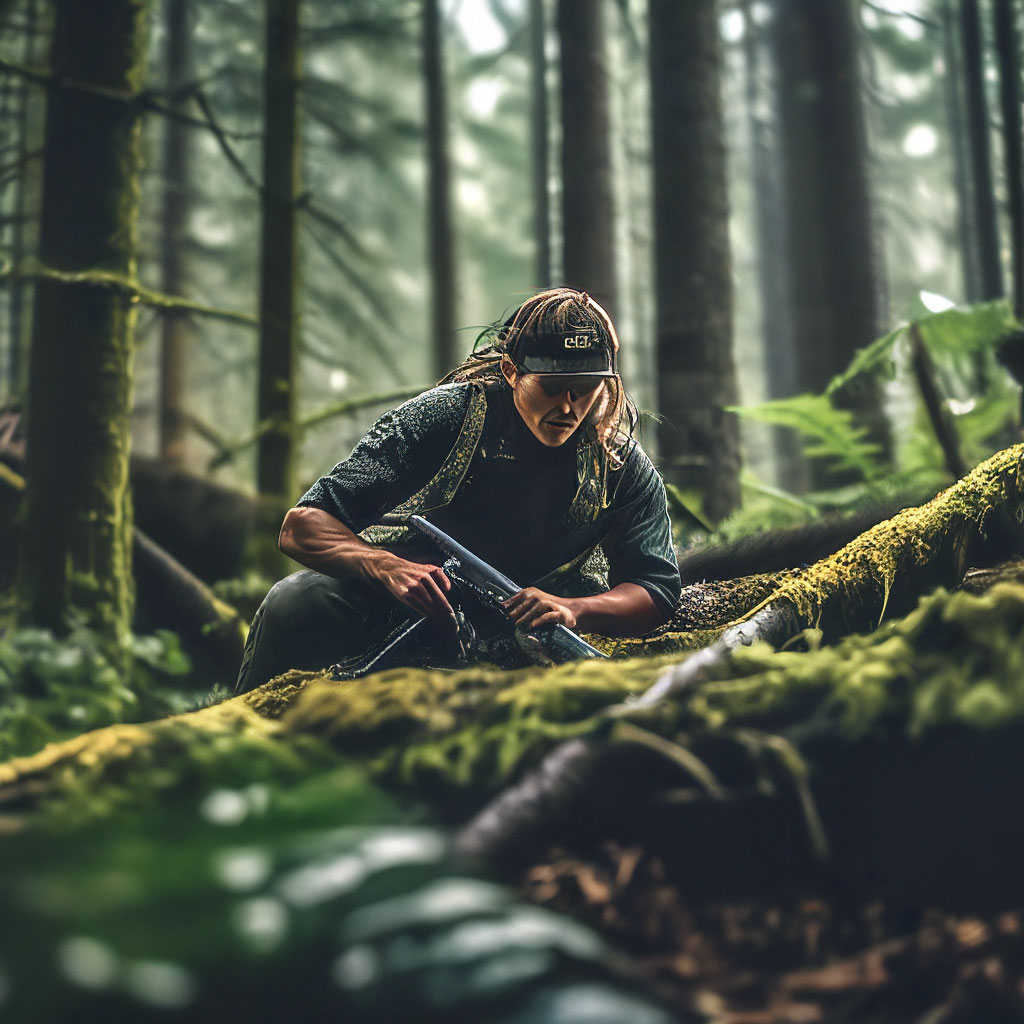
<point x="233" y="234"/>
<point x="327" y="206"/>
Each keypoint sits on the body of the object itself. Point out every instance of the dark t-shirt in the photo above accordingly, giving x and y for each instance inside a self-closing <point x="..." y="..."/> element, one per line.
<point x="512" y="504"/>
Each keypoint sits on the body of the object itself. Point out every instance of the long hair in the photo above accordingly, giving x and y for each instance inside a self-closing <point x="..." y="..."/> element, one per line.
<point x="613" y="418"/>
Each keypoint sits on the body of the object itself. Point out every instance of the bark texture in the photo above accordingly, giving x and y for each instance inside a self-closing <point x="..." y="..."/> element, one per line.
<point x="1008" y="49"/>
<point x="539" y="149"/>
<point x="698" y="441"/>
<point x="279" y="257"/>
<point x="983" y="205"/>
<point x="772" y="265"/>
<point x="176" y="325"/>
<point x="588" y="206"/>
<point x="76" y="550"/>
<point x="836" y="287"/>
<point x="440" y="229"/>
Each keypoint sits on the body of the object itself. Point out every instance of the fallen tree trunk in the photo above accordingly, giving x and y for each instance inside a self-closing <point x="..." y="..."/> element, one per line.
<point x="456" y="738"/>
<point x="976" y="520"/>
<point x="169" y="595"/>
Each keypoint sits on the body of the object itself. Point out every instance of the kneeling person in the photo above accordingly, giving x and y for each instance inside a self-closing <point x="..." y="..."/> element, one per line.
<point x="524" y="455"/>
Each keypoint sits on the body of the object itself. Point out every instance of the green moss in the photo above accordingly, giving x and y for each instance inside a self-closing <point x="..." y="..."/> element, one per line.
<point x="953" y="659"/>
<point x="476" y="726"/>
<point x="957" y="658"/>
<point x="942" y="534"/>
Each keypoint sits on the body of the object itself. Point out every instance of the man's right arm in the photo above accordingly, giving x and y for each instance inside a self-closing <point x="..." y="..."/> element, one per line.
<point x="319" y="541"/>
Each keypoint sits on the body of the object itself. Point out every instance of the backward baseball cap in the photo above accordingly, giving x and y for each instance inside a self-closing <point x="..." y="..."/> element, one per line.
<point x="564" y="336"/>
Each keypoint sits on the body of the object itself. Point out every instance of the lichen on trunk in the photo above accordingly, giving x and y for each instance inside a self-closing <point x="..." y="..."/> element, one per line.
<point x="77" y="537"/>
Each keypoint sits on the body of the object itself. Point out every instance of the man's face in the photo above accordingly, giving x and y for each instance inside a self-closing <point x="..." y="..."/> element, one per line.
<point x="552" y="405"/>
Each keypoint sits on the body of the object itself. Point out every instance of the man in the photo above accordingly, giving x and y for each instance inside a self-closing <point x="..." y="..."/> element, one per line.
<point x="524" y="455"/>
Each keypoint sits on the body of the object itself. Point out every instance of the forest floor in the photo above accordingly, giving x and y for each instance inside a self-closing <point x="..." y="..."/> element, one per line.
<point x="795" y="958"/>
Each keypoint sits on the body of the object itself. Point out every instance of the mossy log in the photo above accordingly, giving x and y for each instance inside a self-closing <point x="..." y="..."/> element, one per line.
<point x="978" y="519"/>
<point x="168" y="594"/>
<point x="458" y="739"/>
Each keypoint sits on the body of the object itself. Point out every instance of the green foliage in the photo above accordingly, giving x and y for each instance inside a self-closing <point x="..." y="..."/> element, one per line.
<point x="244" y="593"/>
<point x="684" y="509"/>
<point x="875" y="358"/>
<point x="966" y="329"/>
<point x="764" y="508"/>
<point x="285" y="900"/>
<point x="831" y="433"/>
<point x="54" y="687"/>
<point x="983" y="402"/>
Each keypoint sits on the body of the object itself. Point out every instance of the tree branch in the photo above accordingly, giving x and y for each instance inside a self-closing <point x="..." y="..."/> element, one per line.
<point x="219" y="134"/>
<point x="228" y="452"/>
<point x="128" y="287"/>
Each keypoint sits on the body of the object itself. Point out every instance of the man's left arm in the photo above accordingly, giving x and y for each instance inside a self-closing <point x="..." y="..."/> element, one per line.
<point x="625" y="610"/>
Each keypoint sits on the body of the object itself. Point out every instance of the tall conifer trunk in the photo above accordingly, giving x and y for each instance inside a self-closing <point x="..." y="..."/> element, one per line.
<point x="439" y="202"/>
<point x="176" y="325"/>
<point x="279" y="257"/>
<point x="772" y="266"/>
<point x="588" y="206"/>
<point x="1008" y="50"/>
<point x="76" y="543"/>
<point x="955" y="115"/>
<point x="698" y="441"/>
<point x="539" y="149"/>
<point x="983" y="207"/>
<point x="26" y="184"/>
<point x="837" y="290"/>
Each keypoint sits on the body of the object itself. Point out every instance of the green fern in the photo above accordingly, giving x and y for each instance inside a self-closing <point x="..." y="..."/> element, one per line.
<point x="829" y="433"/>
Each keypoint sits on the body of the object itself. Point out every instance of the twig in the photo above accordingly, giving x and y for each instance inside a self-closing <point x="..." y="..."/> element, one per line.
<point x="228" y="452"/>
<point x="19" y="164"/>
<point x="129" y="287"/>
<point x="207" y="432"/>
<point x="34" y="75"/>
<point x="361" y="402"/>
<point x="938" y="414"/>
<point x="222" y="141"/>
<point x="902" y="13"/>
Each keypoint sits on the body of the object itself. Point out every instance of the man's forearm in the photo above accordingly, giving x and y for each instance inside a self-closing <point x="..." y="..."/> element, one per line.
<point x="625" y="610"/>
<point x="318" y="541"/>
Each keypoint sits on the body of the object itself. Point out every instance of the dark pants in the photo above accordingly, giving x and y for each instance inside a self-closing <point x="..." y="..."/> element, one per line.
<point x="310" y="621"/>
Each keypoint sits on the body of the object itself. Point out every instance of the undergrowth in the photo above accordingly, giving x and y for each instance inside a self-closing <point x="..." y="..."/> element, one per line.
<point x="53" y="687"/>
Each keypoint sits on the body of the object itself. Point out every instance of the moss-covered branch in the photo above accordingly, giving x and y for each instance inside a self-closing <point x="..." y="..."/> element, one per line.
<point x="335" y="409"/>
<point x="122" y="285"/>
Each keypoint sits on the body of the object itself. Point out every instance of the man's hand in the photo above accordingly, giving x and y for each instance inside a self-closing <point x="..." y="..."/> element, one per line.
<point x="319" y="541"/>
<point x="532" y="608"/>
<point x="421" y="587"/>
<point x="625" y="610"/>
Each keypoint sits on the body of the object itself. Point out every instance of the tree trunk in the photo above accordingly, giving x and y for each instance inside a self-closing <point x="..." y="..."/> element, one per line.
<point x="836" y="287"/>
<point x="19" y="290"/>
<point x="698" y="440"/>
<point x="1008" y="50"/>
<point x="772" y="267"/>
<point x="539" y="149"/>
<point x="176" y="326"/>
<point x="75" y="555"/>
<point x="279" y="258"/>
<point x="955" y="113"/>
<point x="983" y="212"/>
<point x="588" y="208"/>
<point x="439" y="202"/>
